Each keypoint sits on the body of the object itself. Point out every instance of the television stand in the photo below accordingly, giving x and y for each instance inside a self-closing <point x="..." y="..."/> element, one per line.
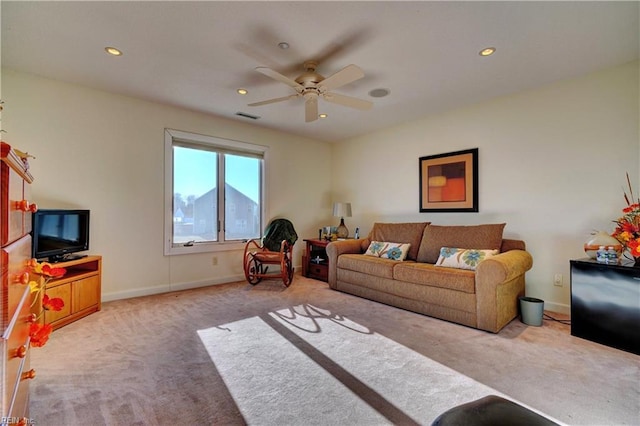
<point x="79" y="288"/>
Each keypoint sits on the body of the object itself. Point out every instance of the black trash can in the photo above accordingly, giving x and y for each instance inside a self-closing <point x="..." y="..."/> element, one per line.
<point x="532" y="310"/>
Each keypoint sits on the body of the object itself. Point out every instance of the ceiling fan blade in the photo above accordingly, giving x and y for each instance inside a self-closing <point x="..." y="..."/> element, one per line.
<point x="343" y="44"/>
<point x="279" y="77"/>
<point x="272" y="101"/>
<point x="348" y="101"/>
<point x="345" y="76"/>
<point x="311" y="109"/>
<point x="256" y="55"/>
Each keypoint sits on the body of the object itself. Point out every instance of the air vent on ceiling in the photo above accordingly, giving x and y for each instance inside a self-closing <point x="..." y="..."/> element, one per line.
<point x="379" y="93"/>
<point x="245" y="115"/>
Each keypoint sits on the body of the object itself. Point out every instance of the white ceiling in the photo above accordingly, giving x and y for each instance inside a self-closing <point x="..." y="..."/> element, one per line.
<point x="196" y="54"/>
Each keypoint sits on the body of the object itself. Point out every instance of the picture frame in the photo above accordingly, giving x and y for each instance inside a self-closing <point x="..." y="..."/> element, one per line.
<point x="449" y="182"/>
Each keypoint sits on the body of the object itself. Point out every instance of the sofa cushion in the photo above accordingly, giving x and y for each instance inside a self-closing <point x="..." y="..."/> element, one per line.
<point x="432" y="276"/>
<point x="463" y="258"/>
<point x="394" y="251"/>
<point x="508" y="244"/>
<point x="434" y="237"/>
<point x="367" y="264"/>
<point x="410" y="232"/>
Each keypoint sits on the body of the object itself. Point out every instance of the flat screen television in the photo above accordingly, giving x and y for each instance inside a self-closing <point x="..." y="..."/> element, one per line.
<point x="57" y="234"/>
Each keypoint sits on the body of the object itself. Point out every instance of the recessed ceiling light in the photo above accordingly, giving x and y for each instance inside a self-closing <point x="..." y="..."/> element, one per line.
<point x="113" y="51"/>
<point x="487" y="51"/>
<point x="323" y="115"/>
<point x="283" y="45"/>
<point x="242" y="91"/>
<point x="379" y="93"/>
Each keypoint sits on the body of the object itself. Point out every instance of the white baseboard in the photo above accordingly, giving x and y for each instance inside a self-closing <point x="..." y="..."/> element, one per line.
<point x="557" y="307"/>
<point x="139" y="292"/>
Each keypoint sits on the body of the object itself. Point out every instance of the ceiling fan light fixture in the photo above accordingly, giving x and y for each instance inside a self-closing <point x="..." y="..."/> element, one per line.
<point x="487" y="51"/>
<point x="242" y="91"/>
<point x="113" y="51"/>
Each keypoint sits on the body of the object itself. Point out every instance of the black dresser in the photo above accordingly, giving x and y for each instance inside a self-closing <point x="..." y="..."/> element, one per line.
<point x="605" y="303"/>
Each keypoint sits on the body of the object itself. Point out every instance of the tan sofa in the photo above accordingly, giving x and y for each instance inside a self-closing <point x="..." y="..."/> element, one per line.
<point x="486" y="298"/>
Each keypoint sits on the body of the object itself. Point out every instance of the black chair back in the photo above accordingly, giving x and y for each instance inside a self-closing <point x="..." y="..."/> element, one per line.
<point x="276" y="231"/>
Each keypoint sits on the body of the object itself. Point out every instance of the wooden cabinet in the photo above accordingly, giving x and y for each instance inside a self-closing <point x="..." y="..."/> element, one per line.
<point x="315" y="262"/>
<point x="15" y="295"/>
<point x="79" y="288"/>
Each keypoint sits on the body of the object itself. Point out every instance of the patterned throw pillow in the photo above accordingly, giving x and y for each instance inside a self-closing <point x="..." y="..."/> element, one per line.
<point x="487" y="236"/>
<point x="393" y="251"/>
<point x="463" y="258"/>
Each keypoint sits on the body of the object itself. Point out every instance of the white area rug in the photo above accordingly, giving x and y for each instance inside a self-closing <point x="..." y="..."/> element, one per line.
<point x="307" y="365"/>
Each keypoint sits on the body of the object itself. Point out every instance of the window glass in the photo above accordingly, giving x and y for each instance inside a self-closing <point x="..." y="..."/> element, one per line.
<point x="214" y="193"/>
<point x="242" y="197"/>
<point x="195" y="200"/>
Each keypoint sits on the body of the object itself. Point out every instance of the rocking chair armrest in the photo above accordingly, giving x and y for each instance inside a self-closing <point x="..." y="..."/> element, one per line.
<point x="285" y="246"/>
<point x="250" y="243"/>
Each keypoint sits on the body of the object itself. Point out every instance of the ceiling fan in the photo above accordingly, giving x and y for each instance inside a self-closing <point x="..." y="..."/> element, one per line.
<point x="310" y="85"/>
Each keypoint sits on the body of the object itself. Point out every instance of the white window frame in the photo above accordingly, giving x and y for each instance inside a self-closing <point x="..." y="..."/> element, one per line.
<point x="171" y="135"/>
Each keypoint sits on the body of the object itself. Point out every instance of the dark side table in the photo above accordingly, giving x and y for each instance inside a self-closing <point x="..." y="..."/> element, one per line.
<point x="315" y="262"/>
<point x="605" y="303"/>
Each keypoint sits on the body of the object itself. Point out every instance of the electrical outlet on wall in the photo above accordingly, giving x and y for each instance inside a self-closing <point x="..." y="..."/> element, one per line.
<point x="557" y="280"/>
<point x="214" y="260"/>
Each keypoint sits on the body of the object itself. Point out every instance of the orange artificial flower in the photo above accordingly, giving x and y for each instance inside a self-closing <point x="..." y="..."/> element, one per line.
<point x="634" y="247"/>
<point x="627" y="230"/>
<point x="55" y="304"/>
<point x="34" y="286"/>
<point x="37" y="266"/>
<point x="39" y="334"/>
<point x="630" y="208"/>
<point x="51" y="272"/>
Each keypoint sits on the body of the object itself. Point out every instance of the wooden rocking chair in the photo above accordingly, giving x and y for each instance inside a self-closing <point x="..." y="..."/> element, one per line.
<point x="276" y="249"/>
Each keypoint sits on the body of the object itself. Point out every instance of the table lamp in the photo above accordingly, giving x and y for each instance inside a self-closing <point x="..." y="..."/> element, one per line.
<point x="342" y="210"/>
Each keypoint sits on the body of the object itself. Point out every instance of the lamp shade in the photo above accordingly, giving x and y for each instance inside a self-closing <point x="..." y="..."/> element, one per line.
<point x="342" y="209"/>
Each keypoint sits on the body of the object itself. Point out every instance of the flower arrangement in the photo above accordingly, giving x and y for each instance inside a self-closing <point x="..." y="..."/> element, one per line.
<point x="38" y="332"/>
<point x="627" y="230"/>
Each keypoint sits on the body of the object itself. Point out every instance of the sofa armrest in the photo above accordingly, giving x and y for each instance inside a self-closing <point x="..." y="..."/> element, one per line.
<point x="499" y="283"/>
<point x="504" y="266"/>
<point x="335" y="249"/>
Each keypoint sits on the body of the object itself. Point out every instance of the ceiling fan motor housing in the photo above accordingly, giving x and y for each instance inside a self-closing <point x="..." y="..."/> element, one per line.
<point x="309" y="78"/>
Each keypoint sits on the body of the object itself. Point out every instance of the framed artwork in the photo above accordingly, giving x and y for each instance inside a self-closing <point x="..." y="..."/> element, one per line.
<point x="449" y="182"/>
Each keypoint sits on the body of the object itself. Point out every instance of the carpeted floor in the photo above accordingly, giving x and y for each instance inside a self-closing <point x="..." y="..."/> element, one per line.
<point x="237" y="354"/>
<point x="320" y="368"/>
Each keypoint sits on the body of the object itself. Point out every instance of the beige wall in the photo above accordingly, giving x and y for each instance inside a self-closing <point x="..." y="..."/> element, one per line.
<point x="105" y="152"/>
<point x="552" y="165"/>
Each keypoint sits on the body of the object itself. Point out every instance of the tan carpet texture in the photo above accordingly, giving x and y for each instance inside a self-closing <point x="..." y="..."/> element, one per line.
<point x="238" y="354"/>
